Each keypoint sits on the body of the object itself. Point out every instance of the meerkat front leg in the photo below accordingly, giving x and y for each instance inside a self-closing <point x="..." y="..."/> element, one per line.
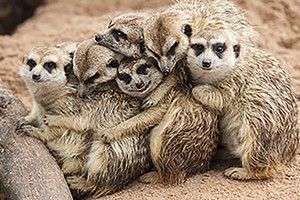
<point x="69" y="122"/>
<point x="42" y="133"/>
<point x="136" y="124"/>
<point x="209" y="96"/>
<point x="32" y="119"/>
<point x="160" y="91"/>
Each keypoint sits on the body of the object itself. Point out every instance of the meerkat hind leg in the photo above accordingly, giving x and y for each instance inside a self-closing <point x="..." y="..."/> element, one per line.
<point x="241" y="173"/>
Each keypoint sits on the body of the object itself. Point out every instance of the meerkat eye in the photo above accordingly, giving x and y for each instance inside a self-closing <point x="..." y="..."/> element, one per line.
<point x="171" y="51"/>
<point x="142" y="69"/>
<point x="92" y="79"/>
<point x="125" y="77"/>
<point x="49" y="65"/>
<point x="155" y="54"/>
<point x="31" y="64"/>
<point x="198" y="48"/>
<point x="113" y="64"/>
<point x="219" y="48"/>
<point x="119" y="35"/>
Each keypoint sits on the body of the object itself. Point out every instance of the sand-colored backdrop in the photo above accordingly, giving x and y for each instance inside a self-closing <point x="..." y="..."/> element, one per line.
<point x="278" y="22"/>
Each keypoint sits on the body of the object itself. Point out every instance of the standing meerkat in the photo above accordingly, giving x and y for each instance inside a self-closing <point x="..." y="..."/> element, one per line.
<point x="109" y="166"/>
<point x="46" y="72"/>
<point x="185" y="135"/>
<point x="255" y="97"/>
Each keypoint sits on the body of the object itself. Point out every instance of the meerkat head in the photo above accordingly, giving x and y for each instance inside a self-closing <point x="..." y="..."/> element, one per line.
<point x="68" y="47"/>
<point x="45" y="67"/>
<point x="139" y="77"/>
<point x="212" y="54"/>
<point x="94" y="64"/>
<point x="167" y="35"/>
<point x="124" y="35"/>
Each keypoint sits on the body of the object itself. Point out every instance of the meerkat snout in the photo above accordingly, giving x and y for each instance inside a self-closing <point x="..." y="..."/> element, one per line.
<point x="206" y="64"/>
<point x="98" y="38"/>
<point x="36" y="77"/>
<point x="139" y="84"/>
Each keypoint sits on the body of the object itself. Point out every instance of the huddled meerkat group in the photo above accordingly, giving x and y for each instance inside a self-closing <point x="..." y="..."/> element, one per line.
<point x="162" y="89"/>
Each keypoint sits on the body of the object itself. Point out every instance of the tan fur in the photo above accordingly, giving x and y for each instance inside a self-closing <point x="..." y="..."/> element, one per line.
<point x="130" y="41"/>
<point x="48" y="94"/>
<point x="216" y="15"/>
<point x="179" y="21"/>
<point x="108" y="166"/>
<point x="164" y="32"/>
<point x="185" y="135"/>
<point x="254" y="94"/>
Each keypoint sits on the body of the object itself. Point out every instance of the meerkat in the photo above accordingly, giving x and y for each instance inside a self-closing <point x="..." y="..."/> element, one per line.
<point x="184" y="136"/>
<point x="45" y="71"/>
<point x="167" y="33"/>
<point x="108" y="166"/>
<point x="124" y="34"/>
<point x="254" y="94"/>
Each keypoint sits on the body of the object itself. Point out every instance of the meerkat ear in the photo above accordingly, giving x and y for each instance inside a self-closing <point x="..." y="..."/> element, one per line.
<point x="24" y="58"/>
<point x="187" y="30"/>
<point x="236" y="50"/>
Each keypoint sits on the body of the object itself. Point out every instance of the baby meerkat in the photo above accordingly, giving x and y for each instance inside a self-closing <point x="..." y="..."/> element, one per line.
<point x="124" y="34"/>
<point x="108" y="166"/>
<point x="255" y="97"/>
<point x="185" y="134"/>
<point x="45" y="71"/>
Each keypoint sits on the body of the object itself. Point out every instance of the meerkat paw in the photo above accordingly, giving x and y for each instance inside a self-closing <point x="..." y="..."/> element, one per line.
<point x="72" y="166"/>
<point x="208" y="95"/>
<point x="78" y="183"/>
<point x="106" y="136"/>
<point x="51" y="120"/>
<point x="237" y="173"/>
<point x="19" y="125"/>
<point x="23" y="127"/>
<point x="150" y="178"/>
<point x="149" y="102"/>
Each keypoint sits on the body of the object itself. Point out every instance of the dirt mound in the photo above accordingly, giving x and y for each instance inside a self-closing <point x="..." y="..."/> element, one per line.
<point x="278" y="23"/>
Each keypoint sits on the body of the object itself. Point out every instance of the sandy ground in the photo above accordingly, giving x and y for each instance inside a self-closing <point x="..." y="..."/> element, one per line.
<point x="276" y="20"/>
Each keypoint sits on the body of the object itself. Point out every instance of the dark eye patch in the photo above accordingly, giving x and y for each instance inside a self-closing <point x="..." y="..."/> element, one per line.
<point x="92" y="79"/>
<point x="142" y="69"/>
<point x="49" y="66"/>
<point x="125" y="77"/>
<point x="171" y="51"/>
<point x="117" y="34"/>
<point x="219" y="48"/>
<point x="198" y="48"/>
<point x="113" y="64"/>
<point x="31" y="64"/>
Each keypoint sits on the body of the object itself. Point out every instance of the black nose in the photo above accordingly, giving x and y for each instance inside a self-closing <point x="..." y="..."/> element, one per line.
<point x="140" y="84"/>
<point x="98" y="37"/>
<point x="206" y="63"/>
<point x="36" y="76"/>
